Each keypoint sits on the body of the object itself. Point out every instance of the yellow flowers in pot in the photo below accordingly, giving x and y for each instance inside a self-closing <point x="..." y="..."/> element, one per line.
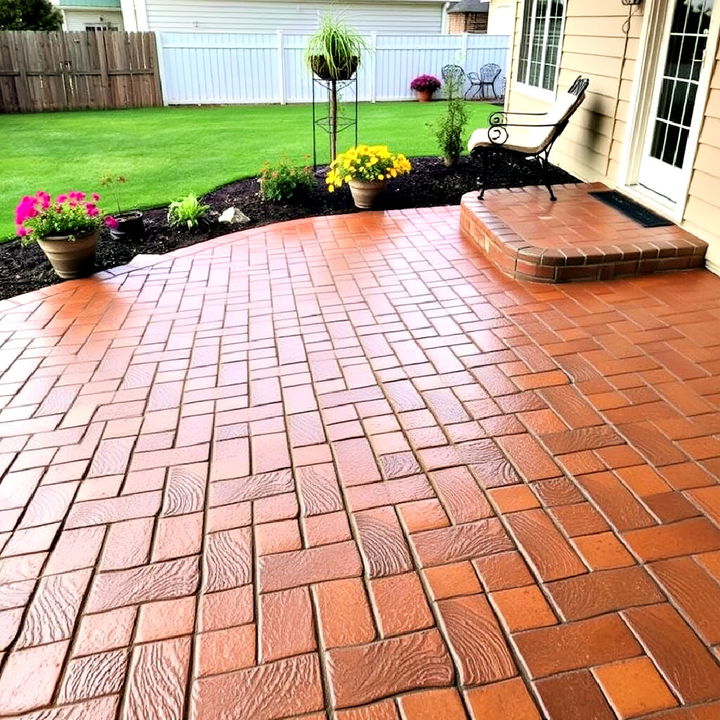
<point x="366" y="163"/>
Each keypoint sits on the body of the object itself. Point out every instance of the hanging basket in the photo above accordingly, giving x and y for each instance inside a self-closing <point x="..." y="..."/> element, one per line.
<point x="319" y="66"/>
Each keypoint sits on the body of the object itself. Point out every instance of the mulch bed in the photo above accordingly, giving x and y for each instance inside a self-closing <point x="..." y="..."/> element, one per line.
<point x="25" y="268"/>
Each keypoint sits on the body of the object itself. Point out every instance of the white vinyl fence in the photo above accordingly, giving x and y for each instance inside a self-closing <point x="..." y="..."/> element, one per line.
<point x="218" y="68"/>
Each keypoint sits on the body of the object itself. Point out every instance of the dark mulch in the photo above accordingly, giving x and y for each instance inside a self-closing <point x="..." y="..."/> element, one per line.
<point x="23" y="269"/>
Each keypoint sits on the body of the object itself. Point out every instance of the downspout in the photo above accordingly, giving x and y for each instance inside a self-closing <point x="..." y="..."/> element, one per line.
<point x="445" y="21"/>
<point x="627" y="26"/>
<point x="127" y="8"/>
<point x="141" y="15"/>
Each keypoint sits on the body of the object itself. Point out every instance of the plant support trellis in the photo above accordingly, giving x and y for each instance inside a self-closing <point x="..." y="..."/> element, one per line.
<point x="334" y="122"/>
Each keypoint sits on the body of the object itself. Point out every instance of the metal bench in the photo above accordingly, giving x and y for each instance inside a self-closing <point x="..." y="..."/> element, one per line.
<point x="528" y="138"/>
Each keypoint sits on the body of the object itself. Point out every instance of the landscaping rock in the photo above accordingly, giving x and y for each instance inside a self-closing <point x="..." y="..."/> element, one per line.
<point x="233" y="216"/>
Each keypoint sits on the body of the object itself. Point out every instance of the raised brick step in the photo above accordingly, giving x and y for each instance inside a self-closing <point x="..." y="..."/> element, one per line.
<point x="529" y="237"/>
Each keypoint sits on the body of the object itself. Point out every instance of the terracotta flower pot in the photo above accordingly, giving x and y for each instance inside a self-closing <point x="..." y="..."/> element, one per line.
<point x="424" y="95"/>
<point x="365" y="193"/>
<point x="71" y="258"/>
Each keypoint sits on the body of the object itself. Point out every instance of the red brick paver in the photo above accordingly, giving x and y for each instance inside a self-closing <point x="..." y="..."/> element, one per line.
<point x="345" y="469"/>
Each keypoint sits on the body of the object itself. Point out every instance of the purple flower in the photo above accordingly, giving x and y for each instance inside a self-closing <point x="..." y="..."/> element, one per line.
<point x="92" y="210"/>
<point x="62" y="198"/>
<point x="427" y="83"/>
<point x="111" y="222"/>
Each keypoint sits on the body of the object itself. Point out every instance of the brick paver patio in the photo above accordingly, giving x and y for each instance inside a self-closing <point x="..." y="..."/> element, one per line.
<point x="346" y="469"/>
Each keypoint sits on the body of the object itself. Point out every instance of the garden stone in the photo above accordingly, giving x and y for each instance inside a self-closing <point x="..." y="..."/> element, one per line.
<point x="233" y="216"/>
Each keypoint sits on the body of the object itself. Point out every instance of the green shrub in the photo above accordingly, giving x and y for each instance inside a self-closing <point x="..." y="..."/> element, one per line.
<point x="284" y="181"/>
<point x="187" y="211"/>
<point x="450" y="128"/>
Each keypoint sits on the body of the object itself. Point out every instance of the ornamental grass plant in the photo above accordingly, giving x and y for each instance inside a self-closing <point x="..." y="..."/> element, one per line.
<point x="339" y="46"/>
<point x="366" y="163"/>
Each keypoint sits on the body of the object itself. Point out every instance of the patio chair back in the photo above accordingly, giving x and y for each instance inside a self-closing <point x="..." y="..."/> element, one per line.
<point x="453" y="73"/>
<point x="564" y="107"/>
<point x="489" y="73"/>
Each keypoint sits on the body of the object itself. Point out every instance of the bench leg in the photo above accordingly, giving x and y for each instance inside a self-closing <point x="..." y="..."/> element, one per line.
<point x="485" y="173"/>
<point x="544" y="161"/>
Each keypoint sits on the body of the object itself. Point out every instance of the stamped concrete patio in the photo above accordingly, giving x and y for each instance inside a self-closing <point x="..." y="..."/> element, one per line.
<point x="344" y="468"/>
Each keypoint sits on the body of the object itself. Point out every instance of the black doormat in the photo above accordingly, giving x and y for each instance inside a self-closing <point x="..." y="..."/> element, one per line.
<point x="630" y="209"/>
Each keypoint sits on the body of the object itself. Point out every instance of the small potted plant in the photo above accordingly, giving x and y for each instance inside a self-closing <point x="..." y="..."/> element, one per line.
<point x="424" y="87"/>
<point x="130" y="224"/>
<point x="67" y="229"/>
<point x="333" y="52"/>
<point x="366" y="169"/>
<point x="450" y="127"/>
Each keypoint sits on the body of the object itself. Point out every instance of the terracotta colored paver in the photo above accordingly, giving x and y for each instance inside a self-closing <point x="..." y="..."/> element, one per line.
<point x="345" y="469"/>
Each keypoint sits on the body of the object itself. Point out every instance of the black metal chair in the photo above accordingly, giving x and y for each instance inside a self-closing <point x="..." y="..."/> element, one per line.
<point x="527" y="138"/>
<point x="484" y="81"/>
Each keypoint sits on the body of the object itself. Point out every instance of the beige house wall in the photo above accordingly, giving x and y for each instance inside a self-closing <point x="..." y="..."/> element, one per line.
<point x="594" y="45"/>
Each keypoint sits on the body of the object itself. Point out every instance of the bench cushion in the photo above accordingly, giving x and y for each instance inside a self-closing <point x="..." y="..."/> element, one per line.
<point x="534" y="138"/>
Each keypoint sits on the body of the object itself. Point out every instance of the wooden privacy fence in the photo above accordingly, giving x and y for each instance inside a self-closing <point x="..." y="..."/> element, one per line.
<point x="42" y="71"/>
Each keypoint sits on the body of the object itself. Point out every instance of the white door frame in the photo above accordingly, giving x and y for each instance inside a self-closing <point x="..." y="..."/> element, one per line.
<point x="644" y="79"/>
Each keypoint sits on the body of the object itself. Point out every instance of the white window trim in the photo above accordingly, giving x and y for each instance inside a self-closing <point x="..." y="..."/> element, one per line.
<point x="535" y="91"/>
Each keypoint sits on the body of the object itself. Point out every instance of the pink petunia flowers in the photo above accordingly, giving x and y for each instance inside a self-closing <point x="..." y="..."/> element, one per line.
<point x="69" y="215"/>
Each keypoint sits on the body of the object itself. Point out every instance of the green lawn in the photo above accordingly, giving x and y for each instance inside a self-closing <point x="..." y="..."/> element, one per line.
<point x="168" y="152"/>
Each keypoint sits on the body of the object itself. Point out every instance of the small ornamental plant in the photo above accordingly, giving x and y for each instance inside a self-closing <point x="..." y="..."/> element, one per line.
<point x="450" y="127"/>
<point x="284" y="181"/>
<point x="425" y="83"/>
<point x="187" y="211"/>
<point x="366" y="163"/>
<point x="114" y="183"/>
<point x="70" y="215"/>
<point x="130" y="223"/>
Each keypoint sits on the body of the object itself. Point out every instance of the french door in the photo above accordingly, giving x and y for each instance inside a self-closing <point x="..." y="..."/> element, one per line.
<point x="669" y="146"/>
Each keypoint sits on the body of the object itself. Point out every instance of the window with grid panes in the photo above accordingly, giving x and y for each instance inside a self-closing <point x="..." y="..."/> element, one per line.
<point x="540" y="43"/>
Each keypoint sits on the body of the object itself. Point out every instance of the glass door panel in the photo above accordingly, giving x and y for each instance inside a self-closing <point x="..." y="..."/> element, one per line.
<point x="666" y="148"/>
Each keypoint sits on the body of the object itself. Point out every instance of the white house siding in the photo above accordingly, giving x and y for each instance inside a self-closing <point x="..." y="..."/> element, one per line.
<point x="80" y="18"/>
<point x="263" y="16"/>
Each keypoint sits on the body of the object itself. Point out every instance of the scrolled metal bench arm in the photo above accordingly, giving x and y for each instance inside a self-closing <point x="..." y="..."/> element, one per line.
<point x="498" y="134"/>
<point x="499" y="117"/>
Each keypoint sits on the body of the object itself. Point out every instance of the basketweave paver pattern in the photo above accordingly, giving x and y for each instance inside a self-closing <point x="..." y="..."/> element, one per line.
<point x="344" y="468"/>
